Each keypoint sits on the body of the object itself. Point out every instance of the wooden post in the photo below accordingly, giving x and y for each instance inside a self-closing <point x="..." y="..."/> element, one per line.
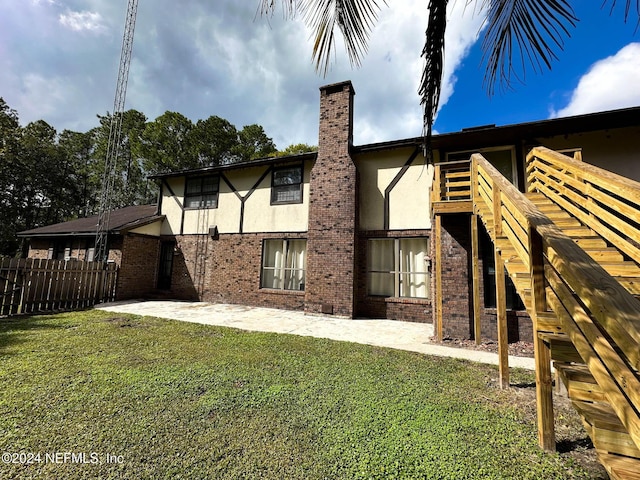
<point x="436" y="191"/>
<point x="475" y="252"/>
<point x="501" y="311"/>
<point x="542" y="352"/>
<point x="497" y="211"/>
<point x="438" y="261"/>
<point x="475" y="279"/>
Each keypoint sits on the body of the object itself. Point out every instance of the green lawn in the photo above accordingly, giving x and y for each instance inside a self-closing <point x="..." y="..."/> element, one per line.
<point x="142" y="397"/>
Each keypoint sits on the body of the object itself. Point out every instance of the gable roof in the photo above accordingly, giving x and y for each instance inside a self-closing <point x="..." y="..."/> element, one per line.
<point x="120" y="221"/>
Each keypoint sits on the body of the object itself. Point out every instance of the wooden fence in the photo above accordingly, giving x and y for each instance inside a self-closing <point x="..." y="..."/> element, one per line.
<point x="38" y="285"/>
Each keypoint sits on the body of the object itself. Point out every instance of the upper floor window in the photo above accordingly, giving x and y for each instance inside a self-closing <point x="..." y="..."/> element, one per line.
<point x="202" y="192"/>
<point x="286" y="185"/>
<point x="398" y="267"/>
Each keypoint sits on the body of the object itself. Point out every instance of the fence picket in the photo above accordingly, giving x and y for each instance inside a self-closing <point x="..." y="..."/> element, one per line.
<point x="41" y="285"/>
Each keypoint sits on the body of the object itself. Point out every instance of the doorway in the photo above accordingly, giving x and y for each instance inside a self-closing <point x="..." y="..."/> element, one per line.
<point x="166" y="265"/>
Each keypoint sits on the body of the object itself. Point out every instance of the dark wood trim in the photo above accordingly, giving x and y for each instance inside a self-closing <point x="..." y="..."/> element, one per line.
<point x="394" y="182"/>
<point x="243" y="199"/>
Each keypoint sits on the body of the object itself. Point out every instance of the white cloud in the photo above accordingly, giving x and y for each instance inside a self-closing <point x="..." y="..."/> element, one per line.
<point x="610" y="83"/>
<point x="81" y="21"/>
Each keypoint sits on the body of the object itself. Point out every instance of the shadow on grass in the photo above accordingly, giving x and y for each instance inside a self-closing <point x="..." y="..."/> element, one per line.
<point x="566" y="446"/>
<point x="524" y="385"/>
<point x="12" y="328"/>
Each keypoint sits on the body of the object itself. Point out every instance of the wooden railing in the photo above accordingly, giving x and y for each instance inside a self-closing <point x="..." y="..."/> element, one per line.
<point x="601" y="318"/>
<point x="452" y="187"/>
<point x="569" y="292"/>
<point x="39" y="285"/>
<point x="607" y="203"/>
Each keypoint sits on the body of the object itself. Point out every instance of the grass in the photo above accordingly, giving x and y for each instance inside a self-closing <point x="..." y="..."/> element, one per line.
<point x="151" y="398"/>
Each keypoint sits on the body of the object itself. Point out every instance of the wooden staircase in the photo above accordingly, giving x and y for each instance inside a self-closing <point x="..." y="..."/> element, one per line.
<point x="571" y="246"/>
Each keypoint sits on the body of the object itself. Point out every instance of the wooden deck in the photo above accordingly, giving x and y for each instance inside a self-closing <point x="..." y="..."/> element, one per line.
<point x="571" y="245"/>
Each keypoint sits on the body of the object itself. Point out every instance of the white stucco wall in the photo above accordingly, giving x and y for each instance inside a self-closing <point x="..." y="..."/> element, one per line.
<point x="409" y="205"/>
<point x="259" y="214"/>
<point x="152" y="229"/>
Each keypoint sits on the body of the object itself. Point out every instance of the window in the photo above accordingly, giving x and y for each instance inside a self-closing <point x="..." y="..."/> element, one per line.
<point x="60" y="250"/>
<point x="286" y="185"/>
<point x="284" y="264"/>
<point x="202" y="192"/>
<point x="398" y="267"/>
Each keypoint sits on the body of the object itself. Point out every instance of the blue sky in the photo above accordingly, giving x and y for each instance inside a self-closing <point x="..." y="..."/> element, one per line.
<point x="59" y="60"/>
<point x="597" y="37"/>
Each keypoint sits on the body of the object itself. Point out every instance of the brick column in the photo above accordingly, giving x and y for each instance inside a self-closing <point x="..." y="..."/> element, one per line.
<point x="331" y="240"/>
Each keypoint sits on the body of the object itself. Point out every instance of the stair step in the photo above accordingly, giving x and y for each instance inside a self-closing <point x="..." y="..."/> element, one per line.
<point x="607" y="254"/>
<point x="548" y="322"/>
<point x="622" y="269"/>
<point x="562" y="350"/>
<point x="590" y="242"/>
<point x="632" y="284"/>
<point x="607" y="432"/>
<point x="579" y="382"/>
<point x="619" y="467"/>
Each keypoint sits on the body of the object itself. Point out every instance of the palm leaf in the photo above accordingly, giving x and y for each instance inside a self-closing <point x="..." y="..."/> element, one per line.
<point x="627" y="9"/>
<point x="268" y="7"/>
<point x="433" y="52"/>
<point x="355" y="20"/>
<point x="531" y="30"/>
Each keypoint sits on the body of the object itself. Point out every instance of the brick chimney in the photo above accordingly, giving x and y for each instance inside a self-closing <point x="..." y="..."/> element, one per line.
<point x="331" y="240"/>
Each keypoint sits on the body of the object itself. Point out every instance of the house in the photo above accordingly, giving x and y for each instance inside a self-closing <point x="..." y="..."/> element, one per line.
<point x="133" y="240"/>
<point x="527" y="231"/>
<point x="346" y="230"/>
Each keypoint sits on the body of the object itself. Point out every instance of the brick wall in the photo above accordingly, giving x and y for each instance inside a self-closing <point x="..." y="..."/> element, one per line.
<point x="457" y="313"/>
<point x="226" y="269"/>
<point x="456" y="290"/>
<point x="332" y="208"/>
<point x="138" y="262"/>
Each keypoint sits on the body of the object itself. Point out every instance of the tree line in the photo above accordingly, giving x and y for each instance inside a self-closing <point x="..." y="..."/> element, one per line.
<point x="48" y="177"/>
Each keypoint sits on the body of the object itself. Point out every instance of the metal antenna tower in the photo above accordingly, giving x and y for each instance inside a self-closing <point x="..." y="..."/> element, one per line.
<point x="101" y="252"/>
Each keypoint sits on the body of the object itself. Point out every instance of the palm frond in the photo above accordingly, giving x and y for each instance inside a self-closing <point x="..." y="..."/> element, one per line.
<point x="354" y="18"/>
<point x="531" y="30"/>
<point x="433" y="52"/>
<point x="627" y="9"/>
<point x="268" y="7"/>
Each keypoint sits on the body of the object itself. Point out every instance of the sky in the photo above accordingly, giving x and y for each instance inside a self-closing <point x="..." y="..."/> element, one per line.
<point x="59" y="63"/>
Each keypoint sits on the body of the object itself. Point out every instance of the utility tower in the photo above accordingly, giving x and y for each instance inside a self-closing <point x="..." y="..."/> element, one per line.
<point x="101" y="251"/>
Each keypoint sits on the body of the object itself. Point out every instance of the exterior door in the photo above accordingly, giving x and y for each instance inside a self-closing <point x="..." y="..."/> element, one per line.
<point x="166" y="265"/>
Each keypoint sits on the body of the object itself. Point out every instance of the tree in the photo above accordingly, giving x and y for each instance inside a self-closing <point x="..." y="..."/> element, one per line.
<point x="9" y="152"/>
<point x="166" y="144"/>
<point x="253" y="143"/>
<point x="296" y="149"/>
<point x="520" y="34"/>
<point x="131" y="186"/>
<point x="79" y="150"/>
<point x="215" y="141"/>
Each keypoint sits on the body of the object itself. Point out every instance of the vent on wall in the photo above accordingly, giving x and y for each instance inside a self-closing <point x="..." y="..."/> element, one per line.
<point x="327" y="309"/>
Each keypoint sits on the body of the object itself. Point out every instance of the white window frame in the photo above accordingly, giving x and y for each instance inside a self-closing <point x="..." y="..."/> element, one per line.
<point x="291" y="278"/>
<point x="397" y="272"/>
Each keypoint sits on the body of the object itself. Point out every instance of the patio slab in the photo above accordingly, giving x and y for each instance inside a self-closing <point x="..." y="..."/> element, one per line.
<point x="410" y="336"/>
